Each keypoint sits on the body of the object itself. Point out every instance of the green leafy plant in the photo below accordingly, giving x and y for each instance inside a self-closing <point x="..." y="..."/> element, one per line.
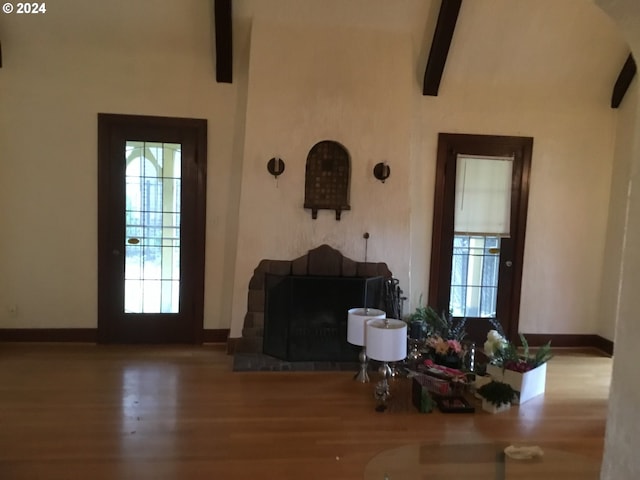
<point x="445" y="326"/>
<point x="419" y="317"/>
<point x="427" y="404"/>
<point x="505" y="354"/>
<point x="438" y="325"/>
<point x="497" y="393"/>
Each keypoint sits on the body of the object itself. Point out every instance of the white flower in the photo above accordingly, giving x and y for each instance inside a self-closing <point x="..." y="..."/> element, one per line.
<point x="489" y="348"/>
<point x="494" y="336"/>
<point x="494" y="343"/>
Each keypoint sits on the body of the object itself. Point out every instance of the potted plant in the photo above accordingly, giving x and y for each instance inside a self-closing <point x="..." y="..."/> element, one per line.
<point x="496" y="396"/>
<point x="525" y="372"/>
<point x="418" y="321"/>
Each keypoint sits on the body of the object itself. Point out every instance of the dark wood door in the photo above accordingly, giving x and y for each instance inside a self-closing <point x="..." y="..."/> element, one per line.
<point x="151" y="231"/>
<point x="504" y="255"/>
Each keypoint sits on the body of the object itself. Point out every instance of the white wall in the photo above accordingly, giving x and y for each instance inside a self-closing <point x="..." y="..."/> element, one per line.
<point x="503" y="91"/>
<point x="623" y="437"/>
<point x="622" y="441"/>
<point x="305" y="86"/>
<point x="627" y="124"/>
<point x="570" y="176"/>
<point x="59" y="70"/>
<point x="571" y="122"/>
<point x="312" y="77"/>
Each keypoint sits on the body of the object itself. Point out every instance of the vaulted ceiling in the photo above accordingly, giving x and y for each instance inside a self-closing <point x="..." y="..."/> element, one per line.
<point x="567" y="48"/>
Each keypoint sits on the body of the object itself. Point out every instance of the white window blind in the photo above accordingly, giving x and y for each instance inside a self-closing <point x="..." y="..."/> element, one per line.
<point x="483" y="195"/>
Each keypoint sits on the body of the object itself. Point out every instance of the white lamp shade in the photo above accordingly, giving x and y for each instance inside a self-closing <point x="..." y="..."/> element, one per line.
<point x="357" y="320"/>
<point x="386" y="340"/>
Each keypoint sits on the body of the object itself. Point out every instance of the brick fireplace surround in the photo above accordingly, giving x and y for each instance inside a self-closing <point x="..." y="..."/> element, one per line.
<point x="321" y="261"/>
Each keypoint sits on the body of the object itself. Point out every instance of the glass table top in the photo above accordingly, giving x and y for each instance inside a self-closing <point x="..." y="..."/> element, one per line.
<point x="477" y="461"/>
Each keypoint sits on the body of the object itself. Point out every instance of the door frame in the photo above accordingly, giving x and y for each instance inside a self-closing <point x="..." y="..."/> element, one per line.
<point x="110" y="125"/>
<point x="449" y="146"/>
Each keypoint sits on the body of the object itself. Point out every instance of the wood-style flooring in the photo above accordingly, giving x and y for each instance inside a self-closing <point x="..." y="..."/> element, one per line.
<point x="78" y="411"/>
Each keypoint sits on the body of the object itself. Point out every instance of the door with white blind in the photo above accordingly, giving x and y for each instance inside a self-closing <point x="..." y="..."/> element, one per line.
<point x="482" y="185"/>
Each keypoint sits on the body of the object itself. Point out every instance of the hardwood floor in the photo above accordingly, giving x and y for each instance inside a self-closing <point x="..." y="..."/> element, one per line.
<point x="78" y="411"/>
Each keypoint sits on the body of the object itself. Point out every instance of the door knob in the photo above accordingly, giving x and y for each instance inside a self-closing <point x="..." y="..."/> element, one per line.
<point x="508" y="263"/>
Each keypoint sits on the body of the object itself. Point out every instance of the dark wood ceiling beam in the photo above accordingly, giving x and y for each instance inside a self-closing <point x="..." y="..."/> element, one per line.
<point x="440" y="44"/>
<point x="224" y="41"/>
<point x="624" y="80"/>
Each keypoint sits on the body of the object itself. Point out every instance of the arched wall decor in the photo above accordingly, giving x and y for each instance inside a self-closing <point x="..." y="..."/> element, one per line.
<point x="327" y="178"/>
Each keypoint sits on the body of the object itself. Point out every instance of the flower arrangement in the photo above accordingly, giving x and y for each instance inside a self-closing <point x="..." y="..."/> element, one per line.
<point x="441" y="335"/>
<point x="445" y="347"/>
<point x="503" y="353"/>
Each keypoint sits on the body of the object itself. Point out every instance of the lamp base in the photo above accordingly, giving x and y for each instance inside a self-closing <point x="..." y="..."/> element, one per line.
<point x="381" y="392"/>
<point x="414" y="355"/>
<point x="362" y="375"/>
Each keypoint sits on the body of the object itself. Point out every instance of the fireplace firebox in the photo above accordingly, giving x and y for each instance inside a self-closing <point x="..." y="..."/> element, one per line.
<point x="306" y="316"/>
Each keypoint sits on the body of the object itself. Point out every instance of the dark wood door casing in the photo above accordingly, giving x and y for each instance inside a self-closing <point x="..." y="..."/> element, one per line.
<point x="449" y="146"/>
<point x="186" y="326"/>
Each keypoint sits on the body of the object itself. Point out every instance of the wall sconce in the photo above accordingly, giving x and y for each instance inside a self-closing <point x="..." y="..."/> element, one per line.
<point x="381" y="171"/>
<point x="275" y="166"/>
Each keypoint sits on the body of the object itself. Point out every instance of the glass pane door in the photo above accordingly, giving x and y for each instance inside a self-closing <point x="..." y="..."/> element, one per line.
<point x="152" y="233"/>
<point x="474" y="276"/>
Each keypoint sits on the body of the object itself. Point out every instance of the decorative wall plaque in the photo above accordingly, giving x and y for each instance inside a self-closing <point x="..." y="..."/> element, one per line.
<point x="327" y="178"/>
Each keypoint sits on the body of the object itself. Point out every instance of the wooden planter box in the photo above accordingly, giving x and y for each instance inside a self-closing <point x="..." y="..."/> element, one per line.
<point x="529" y="384"/>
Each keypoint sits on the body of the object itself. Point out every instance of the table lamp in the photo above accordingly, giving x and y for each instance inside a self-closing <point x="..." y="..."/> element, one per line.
<point x="357" y="319"/>
<point x="386" y="341"/>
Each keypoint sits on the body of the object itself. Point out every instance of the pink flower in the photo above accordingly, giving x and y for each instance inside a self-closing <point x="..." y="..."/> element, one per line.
<point x="454" y="345"/>
<point x="444" y="347"/>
